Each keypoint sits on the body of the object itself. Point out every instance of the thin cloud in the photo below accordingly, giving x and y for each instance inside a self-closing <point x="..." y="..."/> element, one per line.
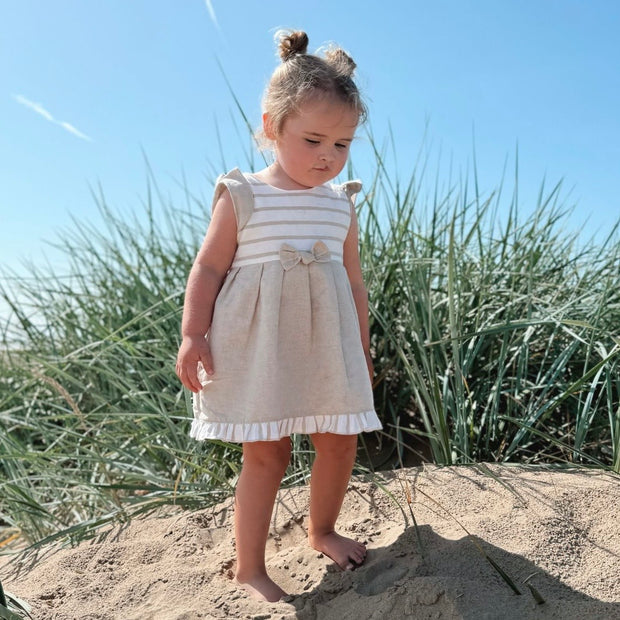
<point x="212" y="13"/>
<point x="71" y="129"/>
<point x="39" y="109"/>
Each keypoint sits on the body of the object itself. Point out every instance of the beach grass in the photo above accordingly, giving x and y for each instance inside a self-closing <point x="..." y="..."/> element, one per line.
<point x="494" y="339"/>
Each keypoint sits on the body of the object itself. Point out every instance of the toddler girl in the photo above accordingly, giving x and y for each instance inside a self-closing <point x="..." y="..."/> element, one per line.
<point x="275" y="322"/>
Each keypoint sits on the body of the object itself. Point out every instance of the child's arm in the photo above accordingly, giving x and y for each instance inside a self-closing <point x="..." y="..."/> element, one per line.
<point x="351" y="260"/>
<point x="203" y="285"/>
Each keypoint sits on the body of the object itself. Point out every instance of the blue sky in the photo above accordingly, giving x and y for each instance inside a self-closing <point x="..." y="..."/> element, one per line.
<point x="87" y="87"/>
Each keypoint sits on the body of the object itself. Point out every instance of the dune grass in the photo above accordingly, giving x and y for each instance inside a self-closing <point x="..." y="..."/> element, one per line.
<point x="493" y="341"/>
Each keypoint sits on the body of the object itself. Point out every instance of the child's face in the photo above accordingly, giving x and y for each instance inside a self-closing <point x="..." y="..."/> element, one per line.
<point x="313" y="144"/>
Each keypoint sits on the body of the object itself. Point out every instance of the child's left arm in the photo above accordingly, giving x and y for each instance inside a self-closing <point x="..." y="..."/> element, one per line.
<point x="351" y="260"/>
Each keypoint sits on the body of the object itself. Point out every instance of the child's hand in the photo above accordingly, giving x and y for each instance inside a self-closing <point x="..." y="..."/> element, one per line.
<point x="193" y="349"/>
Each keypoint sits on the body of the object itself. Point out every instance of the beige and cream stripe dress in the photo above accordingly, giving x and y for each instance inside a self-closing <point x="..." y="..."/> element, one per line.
<point x="284" y="336"/>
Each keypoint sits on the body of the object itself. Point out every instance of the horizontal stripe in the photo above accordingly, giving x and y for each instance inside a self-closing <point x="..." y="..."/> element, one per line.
<point x="274" y="235"/>
<point x="297" y="196"/>
<point x="299" y="214"/>
<point x="297" y="217"/>
<point x="260" y="246"/>
<point x="255" y="256"/>
<point x="297" y="200"/>
<point x="295" y="223"/>
<point x="288" y="238"/>
<point x="308" y="209"/>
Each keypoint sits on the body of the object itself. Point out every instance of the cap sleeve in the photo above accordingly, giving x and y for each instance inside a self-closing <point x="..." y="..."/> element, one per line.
<point x="240" y="192"/>
<point x="352" y="189"/>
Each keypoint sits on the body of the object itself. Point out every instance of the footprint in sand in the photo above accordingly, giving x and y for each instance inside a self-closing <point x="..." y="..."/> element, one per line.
<point x="379" y="577"/>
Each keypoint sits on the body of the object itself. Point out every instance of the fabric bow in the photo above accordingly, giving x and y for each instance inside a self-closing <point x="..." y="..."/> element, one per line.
<point x="289" y="256"/>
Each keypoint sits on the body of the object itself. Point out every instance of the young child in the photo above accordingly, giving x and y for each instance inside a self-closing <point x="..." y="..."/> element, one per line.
<point x="275" y="323"/>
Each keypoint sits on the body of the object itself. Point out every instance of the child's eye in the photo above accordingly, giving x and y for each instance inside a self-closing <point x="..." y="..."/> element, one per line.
<point x="341" y="146"/>
<point x="312" y="141"/>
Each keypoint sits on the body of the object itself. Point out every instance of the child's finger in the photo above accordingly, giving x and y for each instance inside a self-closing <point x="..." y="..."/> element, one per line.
<point x="189" y="378"/>
<point x="193" y="380"/>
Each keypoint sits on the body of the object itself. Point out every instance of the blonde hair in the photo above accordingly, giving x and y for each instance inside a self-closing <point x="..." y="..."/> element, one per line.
<point x="302" y="77"/>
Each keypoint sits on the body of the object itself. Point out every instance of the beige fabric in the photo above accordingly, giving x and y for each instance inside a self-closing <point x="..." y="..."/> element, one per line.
<point x="240" y="192"/>
<point x="285" y="336"/>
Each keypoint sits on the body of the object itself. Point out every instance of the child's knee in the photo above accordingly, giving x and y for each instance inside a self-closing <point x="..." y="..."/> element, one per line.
<point x="340" y="447"/>
<point x="269" y="455"/>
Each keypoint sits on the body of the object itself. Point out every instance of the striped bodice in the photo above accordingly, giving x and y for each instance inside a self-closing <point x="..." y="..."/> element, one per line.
<point x="295" y="217"/>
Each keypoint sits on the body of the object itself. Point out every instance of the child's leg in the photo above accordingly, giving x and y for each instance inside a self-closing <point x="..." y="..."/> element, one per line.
<point x="264" y="465"/>
<point x="335" y="456"/>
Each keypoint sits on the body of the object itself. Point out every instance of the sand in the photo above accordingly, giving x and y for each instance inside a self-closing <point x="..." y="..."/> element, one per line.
<point x="556" y="530"/>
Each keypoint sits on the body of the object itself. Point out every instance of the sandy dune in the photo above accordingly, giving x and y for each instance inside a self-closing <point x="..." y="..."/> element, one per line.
<point x="556" y="530"/>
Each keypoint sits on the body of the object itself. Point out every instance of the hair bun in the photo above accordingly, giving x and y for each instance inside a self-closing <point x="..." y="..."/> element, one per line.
<point x="341" y="61"/>
<point x="292" y="43"/>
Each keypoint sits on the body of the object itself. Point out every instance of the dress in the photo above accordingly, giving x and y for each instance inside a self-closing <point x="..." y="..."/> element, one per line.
<point x="284" y="335"/>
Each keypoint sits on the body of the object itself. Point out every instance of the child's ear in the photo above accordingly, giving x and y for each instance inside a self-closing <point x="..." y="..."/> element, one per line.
<point x="268" y="127"/>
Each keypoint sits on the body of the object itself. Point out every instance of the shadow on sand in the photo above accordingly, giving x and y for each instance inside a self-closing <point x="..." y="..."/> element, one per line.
<point x="452" y="581"/>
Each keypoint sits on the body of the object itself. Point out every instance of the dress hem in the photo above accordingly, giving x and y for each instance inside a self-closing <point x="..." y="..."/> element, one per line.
<point x="346" y="424"/>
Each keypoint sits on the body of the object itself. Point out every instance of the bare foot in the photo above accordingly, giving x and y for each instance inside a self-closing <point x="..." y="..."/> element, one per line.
<point x="262" y="588"/>
<point x="346" y="552"/>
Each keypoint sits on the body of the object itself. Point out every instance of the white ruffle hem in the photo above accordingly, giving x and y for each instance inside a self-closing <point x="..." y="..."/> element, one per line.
<point x="342" y="424"/>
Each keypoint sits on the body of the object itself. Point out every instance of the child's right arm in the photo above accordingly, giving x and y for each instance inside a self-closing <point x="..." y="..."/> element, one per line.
<point x="203" y="285"/>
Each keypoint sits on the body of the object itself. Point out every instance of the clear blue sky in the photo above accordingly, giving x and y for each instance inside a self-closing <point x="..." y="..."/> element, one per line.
<point x="87" y="86"/>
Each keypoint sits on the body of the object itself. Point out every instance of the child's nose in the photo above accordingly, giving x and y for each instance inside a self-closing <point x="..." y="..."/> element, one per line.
<point x="327" y="155"/>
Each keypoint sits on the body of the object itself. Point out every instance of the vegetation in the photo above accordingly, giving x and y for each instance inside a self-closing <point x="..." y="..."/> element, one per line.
<point x="493" y="341"/>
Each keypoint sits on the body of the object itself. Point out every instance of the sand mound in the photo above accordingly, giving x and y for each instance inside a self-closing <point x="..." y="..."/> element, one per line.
<point x="557" y="531"/>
